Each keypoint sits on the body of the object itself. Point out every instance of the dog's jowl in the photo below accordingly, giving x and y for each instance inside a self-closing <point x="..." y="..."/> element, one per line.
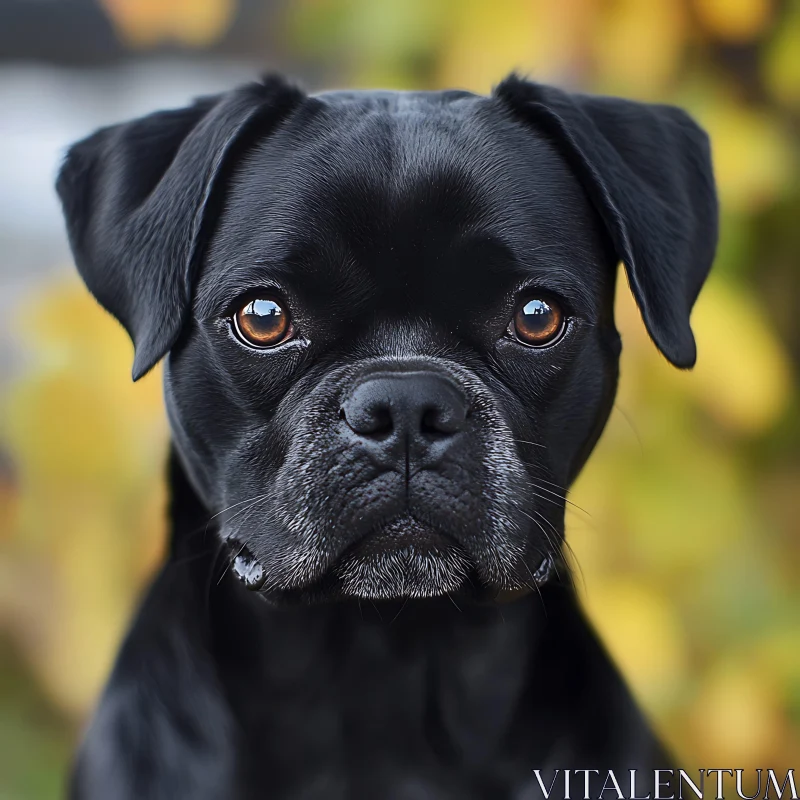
<point x="389" y="348"/>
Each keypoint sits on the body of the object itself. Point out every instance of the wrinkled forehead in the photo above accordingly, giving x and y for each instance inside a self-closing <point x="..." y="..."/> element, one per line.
<point x="395" y="191"/>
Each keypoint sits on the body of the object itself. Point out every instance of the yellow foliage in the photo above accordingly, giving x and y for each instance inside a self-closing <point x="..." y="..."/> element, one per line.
<point x="638" y="46"/>
<point x="88" y="448"/>
<point x="781" y="66"/>
<point x="735" y="20"/>
<point x="642" y="632"/>
<point x="737" y="713"/>
<point x="743" y="375"/>
<point x="145" y="23"/>
<point x="488" y="40"/>
<point x="753" y="155"/>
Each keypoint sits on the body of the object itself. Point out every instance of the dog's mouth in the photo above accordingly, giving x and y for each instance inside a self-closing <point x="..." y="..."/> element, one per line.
<point x="399" y="560"/>
<point x="403" y="559"/>
<point x="399" y="534"/>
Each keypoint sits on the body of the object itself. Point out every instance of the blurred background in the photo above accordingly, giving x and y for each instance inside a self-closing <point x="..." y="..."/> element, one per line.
<point x="687" y="540"/>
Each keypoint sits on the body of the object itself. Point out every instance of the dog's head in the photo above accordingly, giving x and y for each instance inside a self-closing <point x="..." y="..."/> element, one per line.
<point x="389" y="315"/>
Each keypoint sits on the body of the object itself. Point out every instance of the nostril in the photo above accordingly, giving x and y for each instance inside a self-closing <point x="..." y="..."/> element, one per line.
<point x="428" y="423"/>
<point x="378" y="423"/>
<point x="368" y="418"/>
<point x="443" y="421"/>
<point x="431" y="423"/>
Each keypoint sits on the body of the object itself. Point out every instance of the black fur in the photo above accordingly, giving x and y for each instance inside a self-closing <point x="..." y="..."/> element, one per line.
<point x="411" y="630"/>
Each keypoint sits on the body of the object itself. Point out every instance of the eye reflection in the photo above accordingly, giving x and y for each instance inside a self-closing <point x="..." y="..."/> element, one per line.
<point x="537" y="322"/>
<point x="262" y="322"/>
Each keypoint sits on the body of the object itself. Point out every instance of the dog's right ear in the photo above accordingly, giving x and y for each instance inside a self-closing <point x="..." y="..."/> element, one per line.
<point x="138" y="198"/>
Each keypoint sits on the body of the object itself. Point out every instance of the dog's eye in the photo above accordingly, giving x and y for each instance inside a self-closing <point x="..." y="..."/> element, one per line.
<point x="262" y="322"/>
<point x="537" y="322"/>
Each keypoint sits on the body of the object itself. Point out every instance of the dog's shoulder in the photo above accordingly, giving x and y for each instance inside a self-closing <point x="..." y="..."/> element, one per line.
<point x="162" y="728"/>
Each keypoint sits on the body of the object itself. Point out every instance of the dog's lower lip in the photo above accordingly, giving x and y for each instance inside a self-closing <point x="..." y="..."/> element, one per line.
<point x="398" y="536"/>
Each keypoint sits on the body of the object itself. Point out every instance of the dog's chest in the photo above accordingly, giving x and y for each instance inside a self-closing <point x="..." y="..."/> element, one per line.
<point x="389" y="720"/>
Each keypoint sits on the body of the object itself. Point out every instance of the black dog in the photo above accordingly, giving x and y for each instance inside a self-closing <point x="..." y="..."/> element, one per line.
<point x="391" y="348"/>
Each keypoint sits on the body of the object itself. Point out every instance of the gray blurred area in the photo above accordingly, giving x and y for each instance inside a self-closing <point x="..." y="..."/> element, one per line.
<point x="44" y="109"/>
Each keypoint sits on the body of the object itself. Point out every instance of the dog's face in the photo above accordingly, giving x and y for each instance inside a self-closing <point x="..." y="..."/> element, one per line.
<point x="392" y="344"/>
<point x="397" y="356"/>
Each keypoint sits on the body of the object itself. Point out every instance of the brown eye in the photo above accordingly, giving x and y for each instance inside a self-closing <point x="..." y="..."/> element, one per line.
<point x="537" y="322"/>
<point x="262" y="322"/>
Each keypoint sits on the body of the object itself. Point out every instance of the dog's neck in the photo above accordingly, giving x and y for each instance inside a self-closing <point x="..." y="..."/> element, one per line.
<point x="432" y="670"/>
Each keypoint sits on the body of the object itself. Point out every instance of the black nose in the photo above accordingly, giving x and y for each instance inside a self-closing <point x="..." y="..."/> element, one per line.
<point x="415" y="410"/>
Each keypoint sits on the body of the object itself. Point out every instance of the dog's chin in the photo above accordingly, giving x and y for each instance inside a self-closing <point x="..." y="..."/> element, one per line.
<point x="401" y="560"/>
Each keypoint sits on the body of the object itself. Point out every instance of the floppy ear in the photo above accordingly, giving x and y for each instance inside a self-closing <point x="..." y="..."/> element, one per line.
<point x="138" y="201"/>
<point x="647" y="170"/>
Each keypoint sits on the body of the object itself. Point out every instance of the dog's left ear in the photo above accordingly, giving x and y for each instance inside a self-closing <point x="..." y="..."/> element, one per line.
<point x="647" y="170"/>
<point x="138" y="197"/>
